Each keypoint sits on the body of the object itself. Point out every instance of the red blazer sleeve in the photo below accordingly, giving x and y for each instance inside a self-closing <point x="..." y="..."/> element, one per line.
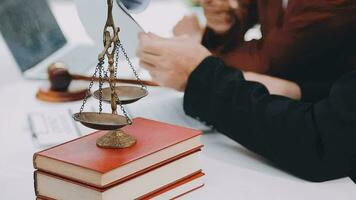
<point x="302" y="35"/>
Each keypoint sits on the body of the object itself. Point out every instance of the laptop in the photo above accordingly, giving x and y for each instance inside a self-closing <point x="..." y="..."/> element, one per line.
<point x="35" y="39"/>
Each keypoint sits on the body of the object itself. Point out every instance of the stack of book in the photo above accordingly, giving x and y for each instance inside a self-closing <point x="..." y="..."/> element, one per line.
<point x="162" y="165"/>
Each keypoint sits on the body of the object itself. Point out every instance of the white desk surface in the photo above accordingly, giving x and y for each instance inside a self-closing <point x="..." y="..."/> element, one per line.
<point x="232" y="172"/>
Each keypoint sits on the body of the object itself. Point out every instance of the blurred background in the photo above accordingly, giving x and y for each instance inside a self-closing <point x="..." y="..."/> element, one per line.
<point x="37" y="33"/>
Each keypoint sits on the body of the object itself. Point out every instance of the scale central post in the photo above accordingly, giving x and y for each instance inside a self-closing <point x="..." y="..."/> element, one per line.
<point x="114" y="138"/>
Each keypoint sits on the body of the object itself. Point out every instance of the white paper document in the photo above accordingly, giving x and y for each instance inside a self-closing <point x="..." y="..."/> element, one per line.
<point x="54" y="126"/>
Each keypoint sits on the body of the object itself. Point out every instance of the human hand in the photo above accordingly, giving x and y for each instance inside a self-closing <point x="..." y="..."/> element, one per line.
<point x="170" y="61"/>
<point x="189" y="25"/>
<point x="219" y="15"/>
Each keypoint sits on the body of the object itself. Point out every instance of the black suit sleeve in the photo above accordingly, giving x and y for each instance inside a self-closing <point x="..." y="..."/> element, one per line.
<point x="314" y="141"/>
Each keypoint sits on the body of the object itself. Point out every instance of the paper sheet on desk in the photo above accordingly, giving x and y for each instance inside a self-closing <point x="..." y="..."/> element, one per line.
<point x="53" y="126"/>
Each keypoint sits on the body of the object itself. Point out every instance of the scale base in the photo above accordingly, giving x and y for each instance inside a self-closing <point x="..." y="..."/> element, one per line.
<point x="117" y="139"/>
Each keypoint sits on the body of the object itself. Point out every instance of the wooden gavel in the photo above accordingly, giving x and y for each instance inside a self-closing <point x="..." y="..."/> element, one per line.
<point x="60" y="78"/>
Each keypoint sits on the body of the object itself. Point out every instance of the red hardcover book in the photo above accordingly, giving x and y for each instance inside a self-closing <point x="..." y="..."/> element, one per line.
<point x="172" y="191"/>
<point x="49" y="185"/>
<point x="82" y="161"/>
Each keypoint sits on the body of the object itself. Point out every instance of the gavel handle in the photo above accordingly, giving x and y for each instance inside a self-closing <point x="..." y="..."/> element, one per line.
<point x="130" y="81"/>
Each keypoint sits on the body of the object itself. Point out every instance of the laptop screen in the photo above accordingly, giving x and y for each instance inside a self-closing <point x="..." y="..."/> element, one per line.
<point x="30" y="30"/>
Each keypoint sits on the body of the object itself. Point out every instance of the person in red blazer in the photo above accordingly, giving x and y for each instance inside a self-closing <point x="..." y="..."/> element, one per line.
<point x="309" y="42"/>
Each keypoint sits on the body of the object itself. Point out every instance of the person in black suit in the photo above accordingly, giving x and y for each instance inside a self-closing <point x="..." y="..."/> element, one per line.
<point x="312" y="140"/>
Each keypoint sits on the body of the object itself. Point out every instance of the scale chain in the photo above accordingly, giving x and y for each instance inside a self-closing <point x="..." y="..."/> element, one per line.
<point x="117" y="54"/>
<point x="120" y="45"/>
<point x="101" y="62"/>
<point x="122" y="108"/>
<point x="128" y="119"/>
<point x="100" y="89"/>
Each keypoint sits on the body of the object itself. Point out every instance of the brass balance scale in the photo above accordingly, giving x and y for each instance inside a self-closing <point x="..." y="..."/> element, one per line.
<point x="115" y="95"/>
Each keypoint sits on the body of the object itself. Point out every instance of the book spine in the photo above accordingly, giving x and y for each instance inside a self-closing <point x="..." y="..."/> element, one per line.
<point x="35" y="183"/>
<point x="34" y="160"/>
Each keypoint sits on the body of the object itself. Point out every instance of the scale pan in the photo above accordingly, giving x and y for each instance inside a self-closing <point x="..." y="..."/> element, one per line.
<point x="127" y="94"/>
<point x="103" y="121"/>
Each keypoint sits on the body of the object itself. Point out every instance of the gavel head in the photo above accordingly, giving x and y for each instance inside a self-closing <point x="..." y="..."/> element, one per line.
<point x="59" y="77"/>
